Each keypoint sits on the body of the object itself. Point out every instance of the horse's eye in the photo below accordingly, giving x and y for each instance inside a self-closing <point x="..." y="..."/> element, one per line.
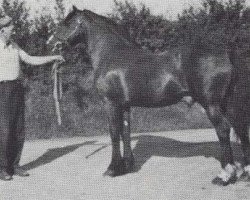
<point x="65" y="23"/>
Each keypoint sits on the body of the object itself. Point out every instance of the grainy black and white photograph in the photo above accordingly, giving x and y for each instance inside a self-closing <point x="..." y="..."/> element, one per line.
<point x="124" y="99"/>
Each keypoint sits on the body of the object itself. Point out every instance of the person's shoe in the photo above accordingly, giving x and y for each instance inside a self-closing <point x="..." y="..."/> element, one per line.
<point x="20" y="172"/>
<point x="5" y="176"/>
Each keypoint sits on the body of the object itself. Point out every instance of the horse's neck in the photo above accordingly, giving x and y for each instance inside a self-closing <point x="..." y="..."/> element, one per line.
<point x="95" y="48"/>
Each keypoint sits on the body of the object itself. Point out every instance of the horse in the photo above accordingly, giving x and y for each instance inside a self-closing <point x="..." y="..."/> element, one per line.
<point x="127" y="76"/>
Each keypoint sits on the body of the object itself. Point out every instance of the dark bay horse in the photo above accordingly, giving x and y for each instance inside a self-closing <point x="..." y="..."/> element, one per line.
<point x="126" y="76"/>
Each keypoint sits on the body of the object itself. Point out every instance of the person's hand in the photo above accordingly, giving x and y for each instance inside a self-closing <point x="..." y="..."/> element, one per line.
<point x="59" y="59"/>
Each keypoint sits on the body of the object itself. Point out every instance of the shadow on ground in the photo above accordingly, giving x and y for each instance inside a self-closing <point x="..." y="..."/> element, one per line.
<point x="148" y="146"/>
<point x="53" y="154"/>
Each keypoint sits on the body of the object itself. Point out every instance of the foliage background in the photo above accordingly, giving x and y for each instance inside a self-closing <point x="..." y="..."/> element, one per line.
<point x="215" y="24"/>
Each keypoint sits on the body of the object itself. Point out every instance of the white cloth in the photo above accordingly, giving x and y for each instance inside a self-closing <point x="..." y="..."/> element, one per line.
<point x="9" y="62"/>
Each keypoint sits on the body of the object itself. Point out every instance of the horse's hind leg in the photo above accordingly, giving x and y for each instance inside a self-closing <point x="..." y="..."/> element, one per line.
<point x="128" y="157"/>
<point x="222" y="126"/>
<point x="115" y="115"/>
<point x="242" y="131"/>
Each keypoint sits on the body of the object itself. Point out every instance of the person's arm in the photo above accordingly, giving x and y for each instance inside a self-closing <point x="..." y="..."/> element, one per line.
<point x="38" y="60"/>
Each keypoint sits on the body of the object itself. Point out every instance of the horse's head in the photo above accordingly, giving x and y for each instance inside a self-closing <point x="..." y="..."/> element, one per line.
<point x="70" y="30"/>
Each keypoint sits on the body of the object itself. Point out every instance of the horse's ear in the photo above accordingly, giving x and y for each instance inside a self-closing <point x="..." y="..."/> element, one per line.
<point x="74" y="8"/>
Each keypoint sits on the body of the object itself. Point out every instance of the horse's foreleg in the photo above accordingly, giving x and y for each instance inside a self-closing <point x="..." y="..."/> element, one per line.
<point x="222" y="127"/>
<point x="242" y="131"/>
<point x="128" y="157"/>
<point x="115" y="115"/>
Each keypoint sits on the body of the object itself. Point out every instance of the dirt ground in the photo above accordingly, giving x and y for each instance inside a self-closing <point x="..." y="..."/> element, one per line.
<point x="169" y="165"/>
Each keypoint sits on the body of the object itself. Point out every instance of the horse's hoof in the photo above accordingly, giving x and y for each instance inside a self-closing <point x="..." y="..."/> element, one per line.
<point x="115" y="169"/>
<point x="113" y="173"/>
<point x="110" y="173"/>
<point x="245" y="177"/>
<point x="129" y="164"/>
<point x="227" y="176"/>
<point x="220" y="182"/>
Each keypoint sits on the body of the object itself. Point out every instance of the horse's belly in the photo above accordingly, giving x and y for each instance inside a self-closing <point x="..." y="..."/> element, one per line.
<point x="139" y="91"/>
<point x="163" y="91"/>
<point x="154" y="98"/>
<point x="151" y="103"/>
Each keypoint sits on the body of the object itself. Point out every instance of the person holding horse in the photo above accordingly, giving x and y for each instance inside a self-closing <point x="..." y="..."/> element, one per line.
<point x="12" y="101"/>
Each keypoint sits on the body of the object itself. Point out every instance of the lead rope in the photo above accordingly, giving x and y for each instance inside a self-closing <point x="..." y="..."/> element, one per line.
<point x="57" y="89"/>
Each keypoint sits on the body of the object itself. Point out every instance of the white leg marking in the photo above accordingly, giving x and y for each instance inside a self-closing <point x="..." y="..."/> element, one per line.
<point x="247" y="169"/>
<point x="227" y="173"/>
<point x="239" y="169"/>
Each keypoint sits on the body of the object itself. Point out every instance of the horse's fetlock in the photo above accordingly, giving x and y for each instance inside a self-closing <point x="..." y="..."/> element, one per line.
<point x="247" y="169"/>
<point x="227" y="176"/>
<point x="245" y="176"/>
<point x="239" y="169"/>
<point x="228" y="172"/>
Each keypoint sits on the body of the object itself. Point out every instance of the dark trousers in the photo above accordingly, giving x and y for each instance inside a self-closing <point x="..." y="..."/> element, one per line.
<point x="12" y="135"/>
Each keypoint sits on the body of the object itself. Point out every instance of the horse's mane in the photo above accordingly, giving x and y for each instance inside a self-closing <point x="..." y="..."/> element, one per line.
<point x="105" y="22"/>
<point x="100" y="17"/>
